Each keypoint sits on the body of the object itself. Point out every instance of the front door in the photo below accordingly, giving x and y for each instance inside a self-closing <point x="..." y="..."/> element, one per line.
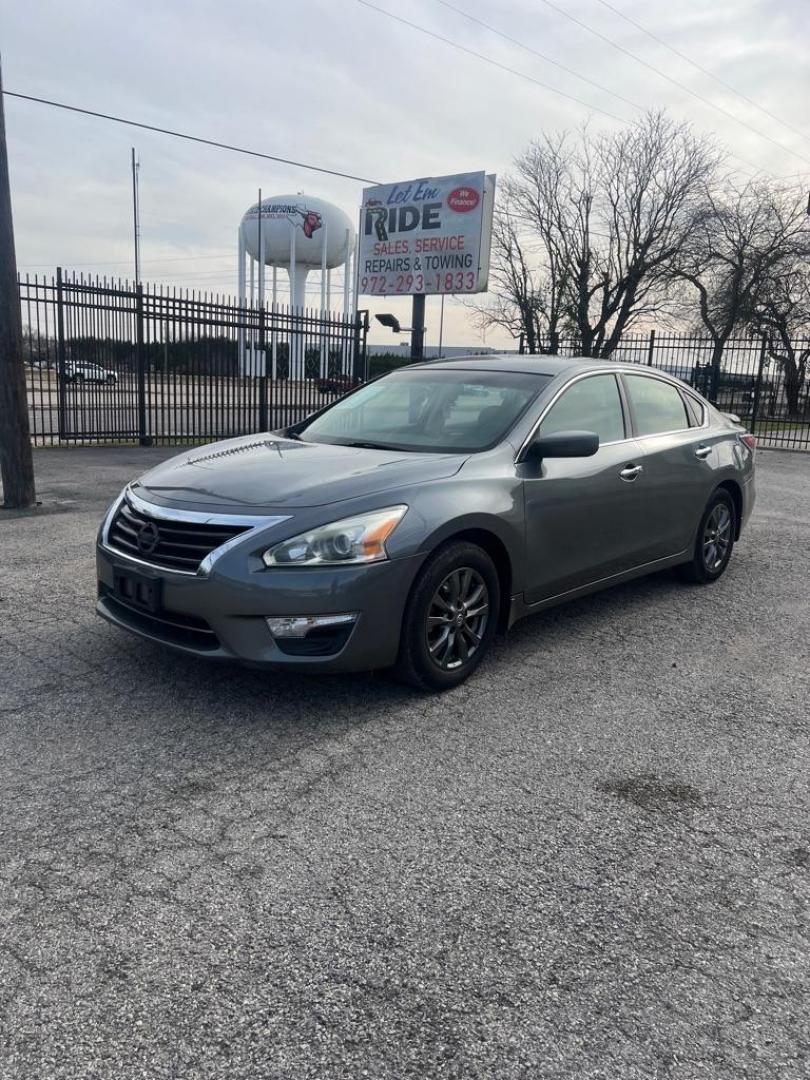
<point x="584" y="516"/>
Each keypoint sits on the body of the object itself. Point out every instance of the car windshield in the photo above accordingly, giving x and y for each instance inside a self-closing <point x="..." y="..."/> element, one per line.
<point x="439" y="411"/>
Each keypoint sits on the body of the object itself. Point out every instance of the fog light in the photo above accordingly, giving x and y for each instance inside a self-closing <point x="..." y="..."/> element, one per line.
<point x="298" y="626"/>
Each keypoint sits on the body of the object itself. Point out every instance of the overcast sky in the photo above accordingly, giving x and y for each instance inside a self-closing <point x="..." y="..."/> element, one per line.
<point x="334" y="83"/>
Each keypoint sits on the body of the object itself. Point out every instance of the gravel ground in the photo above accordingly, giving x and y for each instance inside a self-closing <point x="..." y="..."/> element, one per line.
<point x="592" y="861"/>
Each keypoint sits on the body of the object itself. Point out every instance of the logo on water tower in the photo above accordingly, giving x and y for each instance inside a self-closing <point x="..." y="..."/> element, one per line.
<point x="309" y="221"/>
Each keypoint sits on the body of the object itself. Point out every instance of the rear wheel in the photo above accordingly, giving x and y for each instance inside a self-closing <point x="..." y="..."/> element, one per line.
<point x="450" y="618"/>
<point x="714" y="542"/>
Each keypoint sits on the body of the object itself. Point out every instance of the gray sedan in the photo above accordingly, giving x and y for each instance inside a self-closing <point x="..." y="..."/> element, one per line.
<point x="405" y="524"/>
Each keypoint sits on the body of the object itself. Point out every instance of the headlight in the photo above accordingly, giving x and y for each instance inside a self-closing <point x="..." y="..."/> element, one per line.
<point x="358" y="539"/>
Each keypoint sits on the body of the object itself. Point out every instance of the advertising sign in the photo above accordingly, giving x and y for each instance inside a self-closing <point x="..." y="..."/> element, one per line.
<point x="426" y="236"/>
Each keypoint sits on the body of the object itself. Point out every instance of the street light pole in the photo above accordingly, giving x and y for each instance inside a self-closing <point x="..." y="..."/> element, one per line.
<point x="16" y="459"/>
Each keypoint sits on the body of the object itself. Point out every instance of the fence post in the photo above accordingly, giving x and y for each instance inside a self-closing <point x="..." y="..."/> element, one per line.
<point x="60" y="355"/>
<point x="651" y="349"/>
<point x="758" y="386"/>
<point x="140" y="367"/>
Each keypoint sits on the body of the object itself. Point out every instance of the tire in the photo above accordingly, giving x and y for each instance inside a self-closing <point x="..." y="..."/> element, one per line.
<point x="111" y="380"/>
<point x="452" y="610"/>
<point x="714" y="542"/>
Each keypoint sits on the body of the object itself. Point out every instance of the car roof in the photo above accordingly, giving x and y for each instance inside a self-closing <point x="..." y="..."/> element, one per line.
<point x="539" y="364"/>
<point x="528" y="363"/>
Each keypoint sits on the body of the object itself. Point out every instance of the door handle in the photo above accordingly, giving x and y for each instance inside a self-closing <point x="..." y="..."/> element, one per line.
<point x="703" y="452"/>
<point x="630" y="472"/>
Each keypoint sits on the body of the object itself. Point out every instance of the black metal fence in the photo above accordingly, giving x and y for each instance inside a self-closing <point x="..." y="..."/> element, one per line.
<point x="763" y="382"/>
<point x="112" y="362"/>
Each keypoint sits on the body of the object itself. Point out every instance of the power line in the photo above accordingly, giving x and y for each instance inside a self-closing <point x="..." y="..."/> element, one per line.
<point x="535" y="52"/>
<point x="489" y="60"/>
<point x="189" y="138"/>
<point x="513" y="71"/>
<point x="700" y="68"/>
<point x="669" y="79"/>
<point x="127" y="262"/>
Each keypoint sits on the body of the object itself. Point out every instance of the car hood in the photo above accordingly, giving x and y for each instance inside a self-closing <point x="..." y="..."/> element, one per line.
<point x="264" y="471"/>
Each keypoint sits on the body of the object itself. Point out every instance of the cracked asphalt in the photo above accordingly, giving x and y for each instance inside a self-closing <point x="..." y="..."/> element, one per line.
<point x="592" y="861"/>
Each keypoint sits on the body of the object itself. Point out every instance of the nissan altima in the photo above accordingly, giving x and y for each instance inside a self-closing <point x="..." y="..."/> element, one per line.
<point x="405" y="524"/>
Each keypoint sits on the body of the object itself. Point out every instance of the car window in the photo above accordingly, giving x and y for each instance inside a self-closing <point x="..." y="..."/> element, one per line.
<point x="592" y="404"/>
<point x="657" y="405"/>
<point x="424" y="409"/>
<point x="694" y="409"/>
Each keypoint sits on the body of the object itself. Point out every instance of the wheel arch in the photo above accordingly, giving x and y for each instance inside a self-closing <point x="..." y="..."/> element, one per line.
<point x="497" y="550"/>
<point x="735" y="491"/>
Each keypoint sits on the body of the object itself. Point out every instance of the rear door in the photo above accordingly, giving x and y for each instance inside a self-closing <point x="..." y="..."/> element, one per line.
<point x="584" y="516"/>
<point x="676" y="459"/>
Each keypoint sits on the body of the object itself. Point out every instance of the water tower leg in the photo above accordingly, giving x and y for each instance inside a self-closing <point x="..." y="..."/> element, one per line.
<point x="259" y="355"/>
<point x="345" y="344"/>
<point x="251" y="337"/>
<point x="324" y="366"/>
<point x="298" y="294"/>
<point x="273" y="342"/>
<point x="298" y="345"/>
<point x="240" y="270"/>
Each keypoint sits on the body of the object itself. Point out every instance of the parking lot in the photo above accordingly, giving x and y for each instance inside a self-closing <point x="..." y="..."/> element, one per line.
<point x="591" y="861"/>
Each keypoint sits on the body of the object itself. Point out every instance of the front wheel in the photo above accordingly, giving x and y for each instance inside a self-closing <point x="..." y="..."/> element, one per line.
<point x="714" y="542"/>
<point x="450" y="618"/>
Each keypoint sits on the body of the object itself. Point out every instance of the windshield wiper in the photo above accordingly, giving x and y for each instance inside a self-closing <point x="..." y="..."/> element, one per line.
<point x="360" y="445"/>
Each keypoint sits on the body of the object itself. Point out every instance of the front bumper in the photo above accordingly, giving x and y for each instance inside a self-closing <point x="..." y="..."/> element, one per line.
<point x="221" y="615"/>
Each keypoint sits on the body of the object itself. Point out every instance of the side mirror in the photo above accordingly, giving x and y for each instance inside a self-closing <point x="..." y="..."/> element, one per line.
<point x="564" y="444"/>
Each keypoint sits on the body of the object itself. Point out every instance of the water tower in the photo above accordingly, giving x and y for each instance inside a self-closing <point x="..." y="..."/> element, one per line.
<point x="297" y="233"/>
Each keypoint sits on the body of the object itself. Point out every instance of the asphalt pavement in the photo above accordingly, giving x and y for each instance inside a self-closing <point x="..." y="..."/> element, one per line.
<point x="591" y="861"/>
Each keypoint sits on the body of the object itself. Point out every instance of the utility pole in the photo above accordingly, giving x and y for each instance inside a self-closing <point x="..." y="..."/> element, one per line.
<point x="16" y="459"/>
<point x="136" y="217"/>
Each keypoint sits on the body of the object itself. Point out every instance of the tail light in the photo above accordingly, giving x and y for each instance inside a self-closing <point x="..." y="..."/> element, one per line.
<point x="750" y="441"/>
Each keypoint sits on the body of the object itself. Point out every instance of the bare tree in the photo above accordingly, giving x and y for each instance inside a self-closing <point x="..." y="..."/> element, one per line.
<point x="526" y="297"/>
<point x="782" y="313"/>
<point x="610" y="214"/>
<point x="738" y="240"/>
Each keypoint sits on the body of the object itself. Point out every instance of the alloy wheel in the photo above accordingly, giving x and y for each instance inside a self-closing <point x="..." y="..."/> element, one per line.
<point x="457" y="618"/>
<point x="717" y="537"/>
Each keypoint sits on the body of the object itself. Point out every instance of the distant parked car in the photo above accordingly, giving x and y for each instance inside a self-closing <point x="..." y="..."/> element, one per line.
<point x="337" y="384"/>
<point x="78" y="372"/>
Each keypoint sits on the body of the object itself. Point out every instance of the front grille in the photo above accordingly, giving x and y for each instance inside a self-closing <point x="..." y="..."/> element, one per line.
<point x="172" y="626"/>
<point x="180" y="545"/>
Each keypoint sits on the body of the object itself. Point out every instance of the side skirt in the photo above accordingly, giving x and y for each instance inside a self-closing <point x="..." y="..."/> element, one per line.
<point x="519" y="609"/>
